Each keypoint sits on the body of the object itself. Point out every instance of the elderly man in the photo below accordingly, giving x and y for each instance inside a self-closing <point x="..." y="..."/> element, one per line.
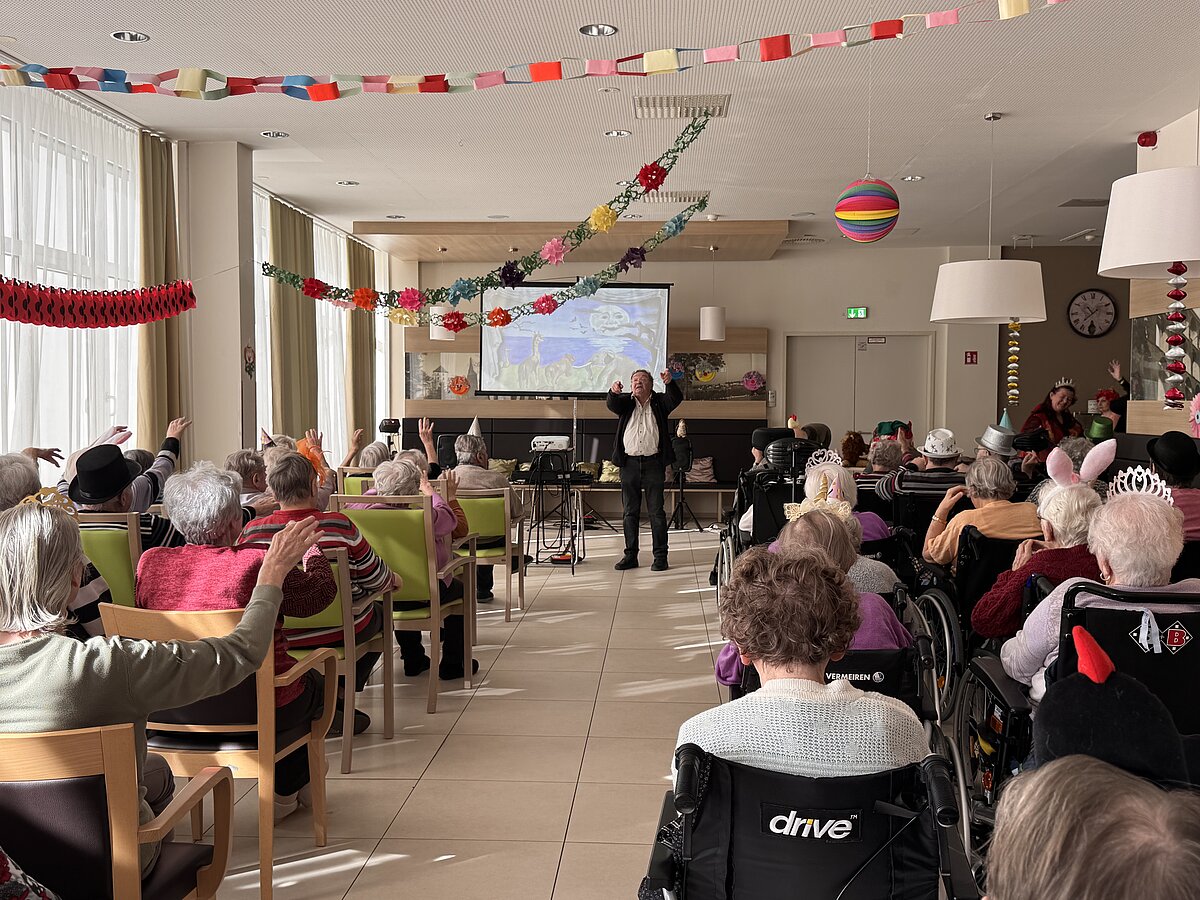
<point x="642" y="450"/>
<point x="473" y="474"/>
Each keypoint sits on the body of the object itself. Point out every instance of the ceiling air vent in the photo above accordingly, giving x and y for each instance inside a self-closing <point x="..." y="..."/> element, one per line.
<point x="1093" y="203"/>
<point x="685" y="198"/>
<point x="804" y="240"/>
<point x="677" y="106"/>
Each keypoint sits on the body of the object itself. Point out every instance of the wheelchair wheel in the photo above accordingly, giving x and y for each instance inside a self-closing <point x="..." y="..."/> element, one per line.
<point x="941" y="622"/>
<point x="975" y="782"/>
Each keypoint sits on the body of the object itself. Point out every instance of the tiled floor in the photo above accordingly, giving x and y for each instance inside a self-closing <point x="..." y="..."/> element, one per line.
<point x="546" y="780"/>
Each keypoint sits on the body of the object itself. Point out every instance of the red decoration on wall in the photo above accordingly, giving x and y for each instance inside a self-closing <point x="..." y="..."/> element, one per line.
<point x="37" y="304"/>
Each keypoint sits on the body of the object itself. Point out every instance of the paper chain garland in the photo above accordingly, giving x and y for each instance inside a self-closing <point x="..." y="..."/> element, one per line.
<point x="37" y="304"/>
<point x="649" y="178"/>
<point x="206" y="84"/>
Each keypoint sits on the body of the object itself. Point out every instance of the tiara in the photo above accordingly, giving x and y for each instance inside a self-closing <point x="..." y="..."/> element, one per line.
<point x="1064" y="382"/>
<point x="1139" y="480"/>
<point x="52" y="499"/>
<point x="821" y="457"/>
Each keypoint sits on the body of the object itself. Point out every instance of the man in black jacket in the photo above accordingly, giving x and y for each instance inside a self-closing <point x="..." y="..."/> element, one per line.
<point x="643" y="451"/>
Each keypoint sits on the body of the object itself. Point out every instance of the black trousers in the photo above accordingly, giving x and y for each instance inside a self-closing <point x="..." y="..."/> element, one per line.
<point x="291" y="772"/>
<point x="452" y="628"/>
<point x="644" y="473"/>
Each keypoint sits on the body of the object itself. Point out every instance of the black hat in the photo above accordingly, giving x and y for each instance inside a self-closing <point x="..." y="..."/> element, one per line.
<point x="1102" y="713"/>
<point x="101" y="474"/>
<point x="1175" y="453"/>
<point x="1032" y="441"/>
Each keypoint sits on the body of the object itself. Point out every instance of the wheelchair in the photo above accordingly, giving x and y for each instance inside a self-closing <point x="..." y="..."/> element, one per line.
<point x="917" y="496"/>
<point x="730" y="831"/>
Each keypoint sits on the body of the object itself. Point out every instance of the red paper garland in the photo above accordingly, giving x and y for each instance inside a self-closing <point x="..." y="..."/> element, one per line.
<point x="37" y="304"/>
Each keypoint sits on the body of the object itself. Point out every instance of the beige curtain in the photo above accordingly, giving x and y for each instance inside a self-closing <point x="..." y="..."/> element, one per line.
<point x="293" y="326"/>
<point x="360" y="346"/>
<point x="159" y="358"/>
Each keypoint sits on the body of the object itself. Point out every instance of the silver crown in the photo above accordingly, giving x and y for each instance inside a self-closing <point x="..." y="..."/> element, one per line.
<point x="823" y="456"/>
<point x="1140" y="480"/>
<point x="1064" y="382"/>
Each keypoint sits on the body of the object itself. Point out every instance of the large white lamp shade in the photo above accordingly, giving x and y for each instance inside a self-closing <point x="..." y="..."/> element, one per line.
<point x="1153" y="221"/>
<point x="989" y="292"/>
<point x="712" y="323"/>
<point x="437" y="332"/>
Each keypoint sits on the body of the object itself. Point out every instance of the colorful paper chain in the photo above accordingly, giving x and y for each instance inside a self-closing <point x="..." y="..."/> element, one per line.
<point x="206" y="84"/>
<point x="37" y="304"/>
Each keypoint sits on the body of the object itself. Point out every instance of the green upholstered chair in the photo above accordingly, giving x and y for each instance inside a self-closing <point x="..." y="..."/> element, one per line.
<point x="113" y="544"/>
<point x="489" y="515"/>
<point x="354" y="480"/>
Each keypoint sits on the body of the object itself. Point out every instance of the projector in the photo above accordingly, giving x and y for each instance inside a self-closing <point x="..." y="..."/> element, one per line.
<point x="549" y="443"/>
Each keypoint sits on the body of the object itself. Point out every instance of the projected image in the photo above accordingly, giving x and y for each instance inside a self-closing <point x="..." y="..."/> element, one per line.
<point x="580" y="349"/>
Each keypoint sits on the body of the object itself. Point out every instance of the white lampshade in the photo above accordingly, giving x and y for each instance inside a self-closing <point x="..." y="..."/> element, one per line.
<point x="1153" y="221"/>
<point x="712" y="323"/>
<point x="437" y="332"/>
<point x="989" y="292"/>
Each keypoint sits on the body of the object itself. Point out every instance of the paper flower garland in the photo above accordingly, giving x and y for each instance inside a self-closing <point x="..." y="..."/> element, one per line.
<point x="753" y="381"/>
<point x="634" y="256"/>
<point x="585" y="287"/>
<point x="462" y="289"/>
<point x="411" y="298"/>
<point x="545" y="304"/>
<point x="603" y="218"/>
<point x="553" y="251"/>
<point x="404" y="317"/>
<point x="38" y="304"/>
<point x="651" y="176"/>
<point x="453" y="321"/>
<point x="365" y="298"/>
<point x="315" y="288"/>
<point x="499" y="317"/>
<point x="511" y="274"/>
<point x="673" y="226"/>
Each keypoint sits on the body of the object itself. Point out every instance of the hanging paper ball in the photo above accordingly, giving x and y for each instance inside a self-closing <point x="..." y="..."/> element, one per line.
<point x="867" y="210"/>
<point x="459" y="385"/>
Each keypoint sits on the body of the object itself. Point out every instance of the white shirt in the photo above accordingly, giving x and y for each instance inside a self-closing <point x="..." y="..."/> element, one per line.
<point x="641" y="432"/>
<point x="799" y="727"/>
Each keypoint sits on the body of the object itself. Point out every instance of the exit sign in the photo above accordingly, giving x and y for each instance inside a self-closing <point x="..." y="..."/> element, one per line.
<point x="856" y="312"/>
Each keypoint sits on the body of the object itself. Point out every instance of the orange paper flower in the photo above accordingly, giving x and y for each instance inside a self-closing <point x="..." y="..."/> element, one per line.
<point x="365" y="298"/>
<point x="498" y="317"/>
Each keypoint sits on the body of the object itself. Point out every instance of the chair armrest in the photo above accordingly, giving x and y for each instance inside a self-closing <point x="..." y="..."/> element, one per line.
<point x="465" y="539"/>
<point x="326" y="657"/>
<point x="660" y="873"/>
<point x="455" y="564"/>
<point x="217" y="780"/>
<point x="1010" y="692"/>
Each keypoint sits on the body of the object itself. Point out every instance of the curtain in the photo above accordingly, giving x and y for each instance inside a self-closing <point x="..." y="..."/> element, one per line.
<point x="159" y="396"/>
<point x="69" y="200"/>
<point x="360" y="347"/>
<point x="293" y="326"/>
<point x="331" y="265"/>
<point x="262" y="311"/>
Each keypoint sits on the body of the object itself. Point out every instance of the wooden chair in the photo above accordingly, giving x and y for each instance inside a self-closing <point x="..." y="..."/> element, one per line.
<point x="237" y="728"/>
<point x="354" y="479"/>
<point x="339" y="614"/>
<point x="403" y="538"/>
<point x="113" y="544"/>
<point x="489" y="515"/>
<point x="69" y="816"/>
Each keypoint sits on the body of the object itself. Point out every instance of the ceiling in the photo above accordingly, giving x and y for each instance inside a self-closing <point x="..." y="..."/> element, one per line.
<point x="1076" y="82"/>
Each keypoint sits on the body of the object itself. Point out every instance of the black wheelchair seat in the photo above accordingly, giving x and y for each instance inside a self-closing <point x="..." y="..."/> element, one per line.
<point x="979" y="562"/>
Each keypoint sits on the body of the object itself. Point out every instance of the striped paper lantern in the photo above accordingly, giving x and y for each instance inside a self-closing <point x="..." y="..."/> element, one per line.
<point x="867" y="210"/>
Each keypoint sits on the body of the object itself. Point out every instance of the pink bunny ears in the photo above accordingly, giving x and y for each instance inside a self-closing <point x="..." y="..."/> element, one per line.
<point x="1099" y="458"/>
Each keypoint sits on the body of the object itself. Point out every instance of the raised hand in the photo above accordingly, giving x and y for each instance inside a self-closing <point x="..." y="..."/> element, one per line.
<point x="450" y="482"/>
<point x="665" y="375"/>
<point x="356" y="440"/>
<point x="177" y="427"/>
<point x="1114" y="369"/>
<point x="287" y="549"/>
<point x="426" y="488"/>
<point x="314" y="439"/>
<point x="617" y="387"/>
<point x="50" y="455"/>
<point x="425" y="429"/>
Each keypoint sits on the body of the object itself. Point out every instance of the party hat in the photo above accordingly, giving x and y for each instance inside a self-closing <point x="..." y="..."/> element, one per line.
<point x="1005" y="421"/>
<point x="475" y="429"/>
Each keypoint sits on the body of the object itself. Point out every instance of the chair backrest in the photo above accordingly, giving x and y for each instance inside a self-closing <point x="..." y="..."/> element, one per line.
<point x="239" y="709"/>
<point x="1188" y="564"/>
<point x="773" y="836"/>
<point x="771" y="491"/>
<point x="402" y="536"/>
<point x="488" y="512"/>
<point x="918" y="494"/>
<point x="112" y="542"/>
<point x="338" y="613"/>
<point x="980" y="561"/>
<point x="69" y="810"/>
<point x="1168" y="667"/>
<point x="354" y="479"/>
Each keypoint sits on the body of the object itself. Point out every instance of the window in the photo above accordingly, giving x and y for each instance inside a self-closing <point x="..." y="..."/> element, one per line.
<point x="331" y="264"/>
<point x="68" y="217"/>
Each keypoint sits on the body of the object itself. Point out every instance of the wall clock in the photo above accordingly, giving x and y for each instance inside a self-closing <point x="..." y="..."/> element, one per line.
<point x="1092" y="313"/>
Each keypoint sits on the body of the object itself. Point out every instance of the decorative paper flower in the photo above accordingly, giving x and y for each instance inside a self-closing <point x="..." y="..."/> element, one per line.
<point x="498" y="317"/>
<point x="602" y="218"/>
<point x="411" y="298"/>
<point x="462" y="289"/>
<point x="342" y="304"/>
<point x="553" y="251"/>
<point x="315" y="288"/>
<point x="402" y="317"/>
<point x="365" y="298"/>
<point x="511" y="274"/>
<point x="753" y="381"/>
<point x="673" y="226"/>
<point x="545" y="304"/>
<point x="459" y="385"/>
<point x="585" y="287"/>
<point x="454" y="321"/>
<point x="634" y="256"/>
<point x="651" y="176"/>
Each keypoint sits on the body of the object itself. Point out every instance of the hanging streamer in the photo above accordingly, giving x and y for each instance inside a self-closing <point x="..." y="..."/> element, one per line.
<point x="37" y="304"/>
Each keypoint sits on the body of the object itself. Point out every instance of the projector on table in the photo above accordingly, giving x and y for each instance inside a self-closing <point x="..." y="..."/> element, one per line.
<point x="550" y="443"/>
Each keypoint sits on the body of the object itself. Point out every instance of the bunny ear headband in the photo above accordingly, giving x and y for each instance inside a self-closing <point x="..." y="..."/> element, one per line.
<point x="1099" y="458"/>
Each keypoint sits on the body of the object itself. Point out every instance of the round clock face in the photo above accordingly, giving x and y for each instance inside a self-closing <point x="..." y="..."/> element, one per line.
<point x="1092" y="313"/>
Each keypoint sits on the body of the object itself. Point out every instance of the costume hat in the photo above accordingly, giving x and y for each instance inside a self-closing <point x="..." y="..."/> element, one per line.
<point x="1176" y="454"/>
<point x="939" y="444"/>
<point x="1101" y="429"/>
<point x="997" y="439"/>
<point x="101" y="473"/>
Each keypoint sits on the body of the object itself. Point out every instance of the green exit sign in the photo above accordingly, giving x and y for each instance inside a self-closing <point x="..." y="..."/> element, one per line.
<point x="856" y="312"/>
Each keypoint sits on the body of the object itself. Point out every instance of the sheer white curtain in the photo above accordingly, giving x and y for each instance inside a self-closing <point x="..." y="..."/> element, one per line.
<point x="68" y="217"/>
<point x="331" y="264"/>
<point x="383" y="345"/>
<point x="262" y="310"/>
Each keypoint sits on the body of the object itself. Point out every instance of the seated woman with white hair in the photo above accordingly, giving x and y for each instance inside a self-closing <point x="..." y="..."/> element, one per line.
<point x="840" y="483"/>
<point x="50" y="682"/>
<point x="989" y="486"/>
<point x="1136" y="539"/>
<point x="373" y="454"/>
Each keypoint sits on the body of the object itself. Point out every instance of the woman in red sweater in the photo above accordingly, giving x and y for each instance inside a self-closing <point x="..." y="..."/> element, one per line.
<point x="1054" y="415"/>
<point x="210" y="573"/>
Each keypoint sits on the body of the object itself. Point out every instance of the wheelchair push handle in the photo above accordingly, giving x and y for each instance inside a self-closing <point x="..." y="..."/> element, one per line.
<point x="924" y="645"/>
<point x="940" y="786"/>
<point x="687" y="779"/>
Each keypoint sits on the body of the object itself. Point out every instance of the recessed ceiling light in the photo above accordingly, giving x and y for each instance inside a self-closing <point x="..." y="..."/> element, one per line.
<point x="632" y="216"/>
<point x="803" y="215"/>
<point x="441" y="249"/>
<point x="393" y="216"/>
<point x="609" y="90"/>
<point x="598" y="30"/>
<point x="130" y="37"/>
<point x="514" y="249"/>
<point x="913" y="178"/>
<point x="617" y="132"/>
<point x="497" y="217"/>
<point x="624" y="184"/>
<point x="348" y="183"/>
<point x="274" y="135"/>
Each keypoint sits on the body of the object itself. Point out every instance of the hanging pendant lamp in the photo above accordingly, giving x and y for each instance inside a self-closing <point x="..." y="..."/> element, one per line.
<point x="712" y="318"/>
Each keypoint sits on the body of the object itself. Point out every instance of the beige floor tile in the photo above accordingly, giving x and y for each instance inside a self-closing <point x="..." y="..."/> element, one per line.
<point x="358" y="808"/>
<point x="600" y="871"/>
<point x="518" y="685"/>
<point x="550" y="659"/>
<point x="560" y="636"/>
<point x="654" y="639"/>
<point x="621" y="718"/>
<point x="679" y="623"/>
<point x="463" y="870"/>
<point x="490" y="715"/>
<point x="671" y="602"/>
<point x="486" y="811"/>
<point x="693" y="659"/>
<point x="628" y="761"/>
<point x="644" y="687"/>
<point x="560" y="615"/>
<point x="411" y="717"/>
<point x="508" y="758"/>
<point x="405" y="756"/>
<point x="301" y="871"/>
<point x="616" y="813"/>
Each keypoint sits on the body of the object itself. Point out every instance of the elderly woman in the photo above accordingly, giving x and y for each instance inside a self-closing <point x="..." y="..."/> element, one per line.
<point x="373" y="454"/>
<point x="1054" y="415"/>
<point x="789" y="615"/>
<point x="18" y="479"/>
<point x="1065" y="515"/>
<point x="840" y="483"/>
<point x="209" y="572"/>
<point x="49" y="682"/>
<point x="1136" y="539"/>
<point x="989" y="486"/>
